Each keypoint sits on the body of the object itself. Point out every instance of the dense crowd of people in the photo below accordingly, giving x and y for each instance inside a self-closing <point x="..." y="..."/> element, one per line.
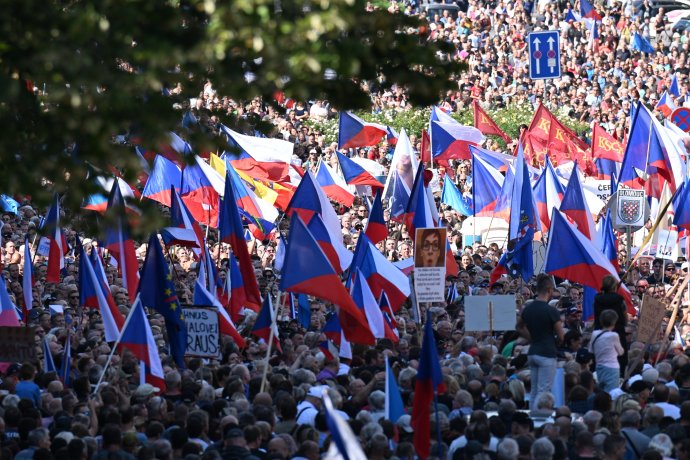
<point x="557" y="387"/>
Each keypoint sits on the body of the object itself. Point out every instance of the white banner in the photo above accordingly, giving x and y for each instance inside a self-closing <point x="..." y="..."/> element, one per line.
<point x="203" y="334"/>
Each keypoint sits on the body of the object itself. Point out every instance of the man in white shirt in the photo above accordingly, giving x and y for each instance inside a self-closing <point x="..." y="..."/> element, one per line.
<point x="661" y="395"/>
<point x="309" y="408"/>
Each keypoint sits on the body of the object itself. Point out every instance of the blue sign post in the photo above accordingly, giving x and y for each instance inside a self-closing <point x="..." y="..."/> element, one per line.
<point x="544" y="55"/>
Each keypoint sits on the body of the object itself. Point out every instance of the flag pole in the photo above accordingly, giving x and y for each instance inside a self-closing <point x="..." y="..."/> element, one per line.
<point x="274" y="315"/>
<point x="112" y="352"/>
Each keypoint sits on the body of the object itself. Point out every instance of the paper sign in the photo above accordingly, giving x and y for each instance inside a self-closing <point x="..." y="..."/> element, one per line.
<point x="667" y="246"/>
<point x="43" y="247"/>
<point x="430" y="264"/>
<point x="490" y="313"/>
<point x="203" y="334"/>
<point x="652" y="313"/>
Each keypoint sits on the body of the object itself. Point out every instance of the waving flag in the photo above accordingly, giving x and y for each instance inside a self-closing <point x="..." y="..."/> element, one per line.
<point x="605" y="146"/>
<point x="8" y="310"/>
<point x="366" y="302"/>
<point x="674" y="89"/>
<point x="157" y="291"/>
<point x="200" y="190"/>
<point x="308" y="271"/>
<point x="452" y="140"/>
<point x="523" y="224"/>
<point x="429" y="382"/>
<point x="345" y="445"/>
<point x="356" y="174"/>
<point x="120" y="244"/>
<point x="94" y="292"/>
<point x="48" y="361"/>
<point x="66" y="364"/>
<point x="333" y="185"/>
<point x="202" y="296"/>
<point x="231" y="231"/>
<point x="355" y="132"/>
<point x="27" y="281"/>
<point x="570" y="255"/>
<point x="309" y="200"/>
<point x="376" y="230"/>
<point x="498" y="161"/>
<point x="137" y="338"/>
<point x="394" y="408"/>
<point x="58" y="243"/>
<point x="610" y="242"/>
<point x="400" y="176"/>
<point x="332" y="329"/>
<point x="484" y="123"/>
<point x="548" y="194"/>
<point x="338" y="255"/>
<point x="238" y="297"/>
<point x="634" y="168"/>
<point x="546" y="134"/>
<point x="98" y="202"/>
<point x="249" y="203"/>
<point x="421" y="210"/>
<point x="681" y="205"/>
<point x="666" y="105"/>
<point x="380" y="273"/>
<point x="165" y="174"/>
<point x="452" y="197"/>
<point x="486" y="187"/>
<point x="641" y="44"/>
<point x="180" y="217"/>
<point x="259" y="157"/>
<point x="588" y="11"/>
<point x="575" y="207"/>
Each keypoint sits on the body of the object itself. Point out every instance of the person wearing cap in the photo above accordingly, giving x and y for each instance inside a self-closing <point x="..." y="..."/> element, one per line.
<point x="309" y="408"/>
<point x="542" y="324"/>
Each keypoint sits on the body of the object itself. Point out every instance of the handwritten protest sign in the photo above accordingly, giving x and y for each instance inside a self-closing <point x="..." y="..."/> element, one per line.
<point x="203" y="335"/>
<point x="652" y="314"/>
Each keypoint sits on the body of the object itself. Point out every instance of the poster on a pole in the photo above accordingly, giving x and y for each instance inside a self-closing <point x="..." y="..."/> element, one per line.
<point x="203" y="333"/>
<point x="490" y="313"/>
<point x="430" y="264"/>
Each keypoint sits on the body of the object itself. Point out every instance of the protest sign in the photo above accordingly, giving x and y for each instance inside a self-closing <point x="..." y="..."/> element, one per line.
<point x="17" y="344"/>
<point x="430" y="264"/>
<point x="490" y="313"/>
<point x="652" y="313"/>
<point x="203" y="335"/>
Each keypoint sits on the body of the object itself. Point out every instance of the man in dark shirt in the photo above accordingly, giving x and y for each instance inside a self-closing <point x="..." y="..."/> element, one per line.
<point x="542" y="323"/>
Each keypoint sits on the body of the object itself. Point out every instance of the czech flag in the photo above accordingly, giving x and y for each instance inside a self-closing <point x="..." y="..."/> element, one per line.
<point x="181" y="218"/>
<point x="452" y="140"/>
<point x="487" y="183"/>
<point x="58" y="244"/>
<point x="338" y="255"/>
<point x="380" y="273"/>
<point x="588" y="11"/>
<point x="200" y="190"/>
<point x="344" y="443"/>
<point x="27" y="280"/>
<point x="165" y="174"/>
<point x="575" y="207"/>
<point x="421" y="209"/>
<point x="308" y="271"/>
<point x="259" y="157"/>
<point x="376" y="230"/>
<point x="366" y="302"/>
<point x="247" y="201"/>
<point x="203" y="297"/>
<point x="137" y="338"/>
<point x="429" y="382"/>
<point x="499" y="161"/>
<point x="120" y="244"/>
<point x="665" y="105"/>
<point x="548" y="193"/>
<point x="355" y="132"/>
<point x="333" y="185"/>
<point x="309" y="200"/>
<point x="231" y="231"/>
<point x="265" y="322"/>
<point x="394" y="407"/>
<point x="355" y="174"/>
<point x="674" y="89"/>
<point x="570" y="255"/>
<point x="95" y="293"/>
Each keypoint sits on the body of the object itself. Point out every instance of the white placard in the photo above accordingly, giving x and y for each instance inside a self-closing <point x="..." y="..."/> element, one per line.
<point x="430" y="264"/>
<point x="667" y="246"/>
<point x="490" y="313"/>
<point x="43" y="247"/>
<point x="203" y="334"/>
<point x="600" y="188"/>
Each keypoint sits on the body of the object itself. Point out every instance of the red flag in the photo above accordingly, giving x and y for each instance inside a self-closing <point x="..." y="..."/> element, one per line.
<point x="484" y="123"/>
<point x="426" y="146"/>
<point x="604" y="145"/>
<point x="550" y="134"/>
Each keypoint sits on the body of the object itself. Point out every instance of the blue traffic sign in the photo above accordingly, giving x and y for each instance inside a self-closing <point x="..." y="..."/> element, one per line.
<point x="544" y="54"/>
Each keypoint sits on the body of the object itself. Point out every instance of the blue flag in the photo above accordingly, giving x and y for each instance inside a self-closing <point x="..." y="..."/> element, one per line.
<point x="452" y="197"/>
<point x="641" y="44"/>
<point x="394" y="408"/>
<point x="157" y="291"/>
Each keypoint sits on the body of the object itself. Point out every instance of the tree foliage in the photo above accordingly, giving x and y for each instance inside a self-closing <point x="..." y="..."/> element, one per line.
<point x="100" y="66"/>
